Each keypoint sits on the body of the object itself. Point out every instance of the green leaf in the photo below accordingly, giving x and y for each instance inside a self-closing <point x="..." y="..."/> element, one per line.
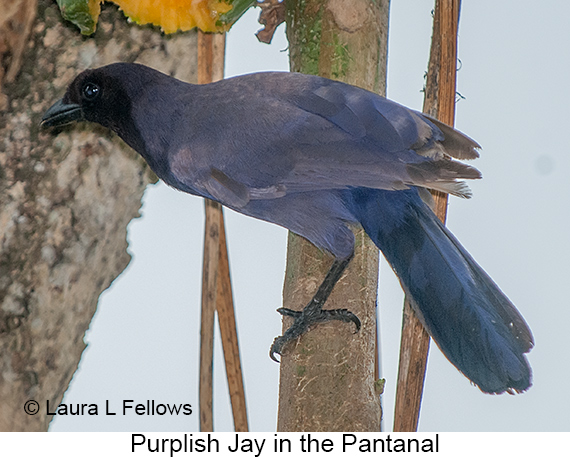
<point x="83" y="13"/>
<point x="238" y="8"/>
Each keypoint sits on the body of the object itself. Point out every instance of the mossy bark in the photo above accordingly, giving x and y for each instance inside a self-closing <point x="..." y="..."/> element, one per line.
<point x="327" y="379"/>
<point x="65" y="201"/>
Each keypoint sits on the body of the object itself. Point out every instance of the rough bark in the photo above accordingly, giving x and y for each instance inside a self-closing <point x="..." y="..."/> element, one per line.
<point x="327" y="379"/>
<point x="65" y="201"/>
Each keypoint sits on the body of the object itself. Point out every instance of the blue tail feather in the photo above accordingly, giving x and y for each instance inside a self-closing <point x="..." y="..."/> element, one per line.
<point x="472" y="321"/>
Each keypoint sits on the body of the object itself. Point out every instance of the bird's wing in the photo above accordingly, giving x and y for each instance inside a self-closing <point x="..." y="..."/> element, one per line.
<point x="286" y="133"/>
<point x="386" y="145"/>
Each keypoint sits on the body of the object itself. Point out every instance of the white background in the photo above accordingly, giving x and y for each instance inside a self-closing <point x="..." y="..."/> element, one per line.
<point x="337" y="444"/>
<point x="143" y="342"/>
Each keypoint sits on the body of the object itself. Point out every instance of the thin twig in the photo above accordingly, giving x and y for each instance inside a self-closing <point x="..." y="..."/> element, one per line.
<point x="209" y="283"/>
<point x="228" y="331"/>
<point x="216" y="283"/>
<point x="439" y="102"/>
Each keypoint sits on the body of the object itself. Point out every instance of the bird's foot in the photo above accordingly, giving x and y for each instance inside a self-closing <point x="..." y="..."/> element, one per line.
<point x="304" y="319"/>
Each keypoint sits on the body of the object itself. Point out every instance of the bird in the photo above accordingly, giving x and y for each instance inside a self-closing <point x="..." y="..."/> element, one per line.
<point x="318" y="157"/>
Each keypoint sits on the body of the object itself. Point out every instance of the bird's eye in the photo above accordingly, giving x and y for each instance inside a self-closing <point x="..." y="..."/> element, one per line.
<point x="90" y="91"/>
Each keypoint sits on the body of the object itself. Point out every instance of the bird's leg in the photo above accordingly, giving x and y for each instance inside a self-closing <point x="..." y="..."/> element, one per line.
<point x="313" y="312"/>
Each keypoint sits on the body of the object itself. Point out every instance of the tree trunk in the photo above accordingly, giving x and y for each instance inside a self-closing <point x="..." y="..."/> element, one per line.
<point x="66" y="198"/>
<point x="328" y="378"/>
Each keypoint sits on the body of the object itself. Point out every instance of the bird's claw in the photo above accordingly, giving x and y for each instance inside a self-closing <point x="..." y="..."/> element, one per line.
<point x="304" y="319"/>
<point x="276" y="348"/>
<point x="289" y="312"/>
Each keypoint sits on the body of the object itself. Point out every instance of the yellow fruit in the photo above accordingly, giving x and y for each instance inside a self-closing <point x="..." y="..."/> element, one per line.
<point x="174" y="15"/>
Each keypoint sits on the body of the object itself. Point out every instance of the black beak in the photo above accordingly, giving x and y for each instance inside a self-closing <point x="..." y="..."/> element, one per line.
<point x="61" y="113"/>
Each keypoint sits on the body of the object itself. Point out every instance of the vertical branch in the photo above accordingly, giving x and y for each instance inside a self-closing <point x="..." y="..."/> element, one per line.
<point x="228" y="331"/>
<point x="439" y="102"/>
<point x="216" y="282"/>
<point x="209" y="283"/>
<point x="327" y="377"/>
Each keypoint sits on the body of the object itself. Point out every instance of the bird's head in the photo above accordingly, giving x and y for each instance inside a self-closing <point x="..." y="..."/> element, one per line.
<point x="103" y="95"/>
<point x="92" y="96"/>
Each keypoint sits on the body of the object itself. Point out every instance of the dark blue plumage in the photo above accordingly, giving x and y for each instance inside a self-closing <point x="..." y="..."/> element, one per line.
<point x="317" y="156"/>
<point x="473" y="322"/>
